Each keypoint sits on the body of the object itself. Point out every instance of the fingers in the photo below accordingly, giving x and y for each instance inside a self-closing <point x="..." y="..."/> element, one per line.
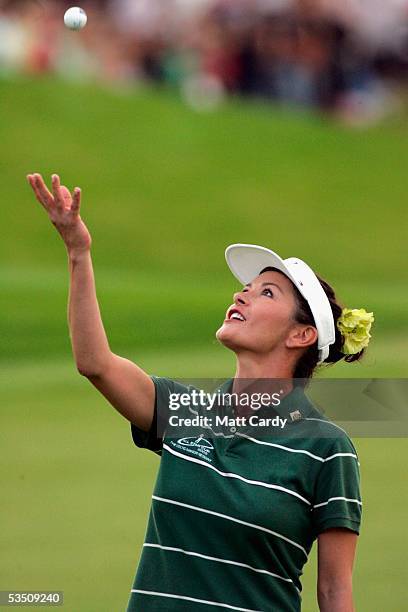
<point x="56" y="190"/>
<point x="66" y="197"/>
<point x="43" y="190"/>
<point x="40" y="190"/>
<point x="60" y="198"/>
<point x="76" y="201"/>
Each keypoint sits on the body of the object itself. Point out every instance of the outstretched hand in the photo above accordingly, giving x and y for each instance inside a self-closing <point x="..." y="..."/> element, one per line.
<point x="63" y="211"/>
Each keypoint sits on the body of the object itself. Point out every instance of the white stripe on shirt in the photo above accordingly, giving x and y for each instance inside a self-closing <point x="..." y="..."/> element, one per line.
<point x="231" y="475"/>
<point x="327" y="422"/>
<point x="341" y="455"/>
<point x="230" y="518"/>
<point x="296" y="450"/>
<point x="203" y="601"/>
<point x="286" y="448"/>
<point x="347" y="499"/>
<point x="228" y="561"/>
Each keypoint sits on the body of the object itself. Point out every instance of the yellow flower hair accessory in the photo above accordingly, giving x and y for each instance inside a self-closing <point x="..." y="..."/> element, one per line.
<point x="354" y="325"/>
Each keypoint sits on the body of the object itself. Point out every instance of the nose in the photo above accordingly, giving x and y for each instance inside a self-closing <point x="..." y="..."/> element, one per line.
<point x="239" y="298"/>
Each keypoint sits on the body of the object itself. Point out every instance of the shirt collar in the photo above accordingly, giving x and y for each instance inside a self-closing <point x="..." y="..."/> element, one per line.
<point x="295" y="405"/>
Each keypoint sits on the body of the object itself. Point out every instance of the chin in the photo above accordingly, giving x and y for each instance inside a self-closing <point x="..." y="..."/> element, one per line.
<point x="238" y="341"/>
<point x="227" y="338"/>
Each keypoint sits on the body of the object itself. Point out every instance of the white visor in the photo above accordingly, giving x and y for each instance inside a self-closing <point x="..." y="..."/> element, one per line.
<point x="246" y="262"/>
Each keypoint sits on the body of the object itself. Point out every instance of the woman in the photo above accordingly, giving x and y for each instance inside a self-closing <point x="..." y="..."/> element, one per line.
<point x="233" y="515"/>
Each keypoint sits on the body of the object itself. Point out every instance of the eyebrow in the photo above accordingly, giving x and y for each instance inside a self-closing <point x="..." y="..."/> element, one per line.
<point x="265" y="285"/>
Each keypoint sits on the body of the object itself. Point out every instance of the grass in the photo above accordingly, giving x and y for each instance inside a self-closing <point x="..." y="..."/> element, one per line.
<point x="164" y="191"/>
<point x="150" y="168"/>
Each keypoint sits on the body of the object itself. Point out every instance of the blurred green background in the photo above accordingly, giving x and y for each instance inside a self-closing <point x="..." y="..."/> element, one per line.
<point x="164" y="191"/>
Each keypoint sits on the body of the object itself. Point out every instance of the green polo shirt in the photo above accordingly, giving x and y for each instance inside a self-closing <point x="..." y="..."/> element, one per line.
<point x="234" y="516"/>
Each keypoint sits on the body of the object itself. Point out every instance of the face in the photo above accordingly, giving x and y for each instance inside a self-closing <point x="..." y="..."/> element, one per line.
<point x="261" y="318"/>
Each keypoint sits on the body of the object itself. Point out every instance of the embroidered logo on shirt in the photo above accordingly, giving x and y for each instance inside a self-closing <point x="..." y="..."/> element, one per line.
<point x="197" y="446"/>
<point x="200" y="441"/>
<point x="296" y="415"/>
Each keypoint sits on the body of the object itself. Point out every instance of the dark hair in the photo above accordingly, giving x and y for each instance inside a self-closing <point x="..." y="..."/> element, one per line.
<point x="307" y="363"/>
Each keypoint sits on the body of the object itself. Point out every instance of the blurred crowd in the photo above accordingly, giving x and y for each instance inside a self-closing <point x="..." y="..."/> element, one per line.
<point x="349" y="58"/>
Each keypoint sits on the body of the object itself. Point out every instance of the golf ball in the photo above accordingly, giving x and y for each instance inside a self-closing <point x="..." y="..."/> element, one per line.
<point x="75" y="18"/>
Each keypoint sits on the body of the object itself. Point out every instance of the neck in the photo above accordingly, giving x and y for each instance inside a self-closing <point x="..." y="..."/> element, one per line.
<point x="251" y="365"/>
<point x="269" y="366"/>
<point x="263" y="373"/>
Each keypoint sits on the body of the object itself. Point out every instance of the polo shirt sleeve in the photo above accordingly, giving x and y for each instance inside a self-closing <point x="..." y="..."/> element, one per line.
<point x="153" y="439"/>
<point x="337" y="499"/>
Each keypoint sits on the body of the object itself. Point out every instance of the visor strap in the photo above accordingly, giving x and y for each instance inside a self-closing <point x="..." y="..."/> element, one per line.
<point x="323" y="353"/>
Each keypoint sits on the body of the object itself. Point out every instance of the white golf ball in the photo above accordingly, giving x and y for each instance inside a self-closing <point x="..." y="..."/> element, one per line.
<point x="75" y="18"/>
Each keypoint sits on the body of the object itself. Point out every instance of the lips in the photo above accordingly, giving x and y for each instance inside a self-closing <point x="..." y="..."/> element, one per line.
<point x="235" y="315"/>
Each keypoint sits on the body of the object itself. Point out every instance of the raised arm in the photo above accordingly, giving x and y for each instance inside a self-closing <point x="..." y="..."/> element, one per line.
<point x="126" y="386"/>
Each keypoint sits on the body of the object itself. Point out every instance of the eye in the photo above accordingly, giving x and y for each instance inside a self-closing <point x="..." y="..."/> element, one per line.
<point x="244" y="290"/>
<point x="267" y="292"/>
